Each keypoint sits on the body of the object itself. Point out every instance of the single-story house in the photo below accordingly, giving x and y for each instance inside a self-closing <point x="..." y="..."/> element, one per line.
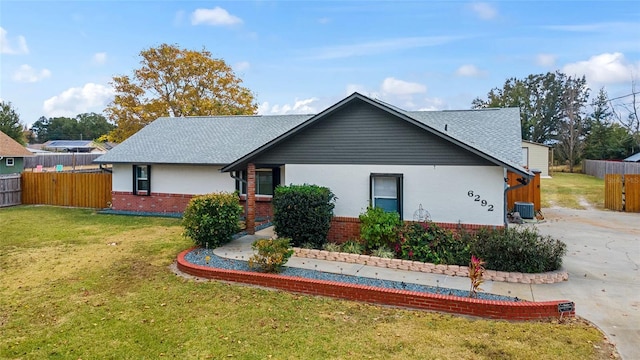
<point x="535" y="156"/>
<point x="12" y="155"/>
<point x="451" y="163"/>
<point x="633" y="158"/>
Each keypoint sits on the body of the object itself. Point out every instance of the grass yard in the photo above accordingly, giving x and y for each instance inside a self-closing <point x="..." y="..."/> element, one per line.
<point x="74" y="284"/>
<point x="572" y="190"/>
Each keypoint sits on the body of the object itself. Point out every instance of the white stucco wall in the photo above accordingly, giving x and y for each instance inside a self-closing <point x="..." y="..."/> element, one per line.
<point x="176" y="179"/>
<point x="442" y="190"/>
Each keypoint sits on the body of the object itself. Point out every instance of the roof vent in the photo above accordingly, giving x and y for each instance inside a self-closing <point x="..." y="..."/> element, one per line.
<point x="445" y="127"/>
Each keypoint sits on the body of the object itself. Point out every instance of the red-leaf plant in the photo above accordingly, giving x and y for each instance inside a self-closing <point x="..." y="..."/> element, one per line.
<point x="476" y="271"/>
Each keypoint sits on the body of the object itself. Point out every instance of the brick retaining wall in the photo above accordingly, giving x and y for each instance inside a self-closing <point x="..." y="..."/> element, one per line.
<point x="521" y="310"/>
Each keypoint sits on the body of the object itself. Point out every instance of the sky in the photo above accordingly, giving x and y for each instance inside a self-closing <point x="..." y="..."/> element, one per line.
<point x="57" y="58"/>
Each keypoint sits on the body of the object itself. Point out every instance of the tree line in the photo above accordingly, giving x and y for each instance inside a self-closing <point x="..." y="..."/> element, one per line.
<point x="555" y="110"/>
<point x="172" y="81"/>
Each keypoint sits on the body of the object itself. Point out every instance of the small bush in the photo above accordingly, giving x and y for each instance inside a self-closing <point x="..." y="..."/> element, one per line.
<point x="303" y="213"/>
<point x="476" y="273"/>
<point x="427" y="242"/>
<point x="379" y="228"/>
<point x="332" y="247"/>
<point x="272" y="254"/>
<point x="211" y="220"/>
<point x="519" y="250"/>
<point x="383" y="252"/>
<point x="352" y="247"/>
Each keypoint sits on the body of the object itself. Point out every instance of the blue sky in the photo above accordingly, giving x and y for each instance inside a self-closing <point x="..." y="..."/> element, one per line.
<point x="57" y="58"/>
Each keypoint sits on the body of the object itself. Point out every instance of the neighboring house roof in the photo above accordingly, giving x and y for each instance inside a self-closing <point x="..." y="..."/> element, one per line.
<point x="70" y="145"/>
<point x="633" y="158"/>
<point x="12" y="148"/>
<point x="535" y="143"/>
<point x="493" y="134"/>
<point x="215" y="140"/>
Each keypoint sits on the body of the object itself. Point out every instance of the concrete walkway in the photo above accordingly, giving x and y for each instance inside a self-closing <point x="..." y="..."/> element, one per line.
<point x="602" y="262"/>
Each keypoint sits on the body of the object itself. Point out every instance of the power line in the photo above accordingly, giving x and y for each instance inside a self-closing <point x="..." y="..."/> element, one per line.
<point x="624" y="96"/>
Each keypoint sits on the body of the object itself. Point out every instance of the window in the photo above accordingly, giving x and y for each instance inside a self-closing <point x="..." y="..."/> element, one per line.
<point x="142" y="180"/>
<point x="386" y="192"/>
<point x="10" y="162"/>
<point x="264" y="182"/>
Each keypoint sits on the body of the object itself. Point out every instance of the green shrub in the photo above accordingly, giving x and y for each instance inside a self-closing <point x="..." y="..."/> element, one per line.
<point x="427" y="242"/>
<point x="211" y="220"/>
<point x="379" y="228"/>
<point x="352" y="247"/>
<point x="332" y="247"/>
<point x="303" y="213"/>
<point x="383" y="252"/>
<point x="272" y="254"/>
<point x="517" y="250"/>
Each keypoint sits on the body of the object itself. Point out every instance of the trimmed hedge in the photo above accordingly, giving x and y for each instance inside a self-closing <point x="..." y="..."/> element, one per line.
<point x="303" y="213"/>
<point x="518" y="250"/>
<point x="211" y="220"/>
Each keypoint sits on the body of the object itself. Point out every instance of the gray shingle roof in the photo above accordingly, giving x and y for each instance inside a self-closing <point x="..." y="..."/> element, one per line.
<point x="200" y="140"/>
<point x="495" y="132"/>
<point x="223" y="140"/>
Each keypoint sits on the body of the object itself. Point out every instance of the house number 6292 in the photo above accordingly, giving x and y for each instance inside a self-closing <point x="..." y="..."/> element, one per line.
<point x="480" y="200"/>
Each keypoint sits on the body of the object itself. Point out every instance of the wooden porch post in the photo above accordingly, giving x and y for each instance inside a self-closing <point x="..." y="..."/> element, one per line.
<point x="251" y="199"/>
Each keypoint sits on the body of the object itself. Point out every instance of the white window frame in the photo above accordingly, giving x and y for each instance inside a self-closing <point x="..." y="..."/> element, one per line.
<point x="10" y="161"/>
<point x="137" y="179"/>
<point x="242" y="186"/>
<point x="399" y="179"/>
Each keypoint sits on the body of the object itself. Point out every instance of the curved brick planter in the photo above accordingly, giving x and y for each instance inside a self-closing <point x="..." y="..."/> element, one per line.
<point x="508" y="310"/>
<point x="452" y="270"/>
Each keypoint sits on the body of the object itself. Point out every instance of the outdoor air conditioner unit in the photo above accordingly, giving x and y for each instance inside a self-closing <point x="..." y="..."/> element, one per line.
<point x="525" y="209"/>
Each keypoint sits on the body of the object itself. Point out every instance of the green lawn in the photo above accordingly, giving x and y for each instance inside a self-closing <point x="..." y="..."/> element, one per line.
<point x="575" y="191"/>
<point x="74" y="284"/>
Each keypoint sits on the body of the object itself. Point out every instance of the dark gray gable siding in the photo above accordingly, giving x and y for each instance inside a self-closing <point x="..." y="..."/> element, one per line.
<point x="363" y="134"/>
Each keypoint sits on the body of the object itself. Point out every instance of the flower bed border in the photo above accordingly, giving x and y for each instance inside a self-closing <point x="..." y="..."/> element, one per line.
<point x="451" y="270"/>
<point x="508" y="310"/>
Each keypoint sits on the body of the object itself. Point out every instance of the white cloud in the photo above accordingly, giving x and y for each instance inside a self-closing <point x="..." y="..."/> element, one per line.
<point x="324" y="20"/>
<point x="379" y="47"/>
<point x="216" y="16"/>
<point x="8" y="47"/>
<point x="483" y="10"/>
<point x="78" y="100"/>
<point x="432" y="104"/>
<point x="100" y="58"/>
<point x="242" y="66"/>
<point x="606" y="68"/>
<point x="394" y="86"/>
<point x="26" y="73"/>
<point x="546" y="60"/>
<point x="303" y="106"/>
<point x="469" y="70"/>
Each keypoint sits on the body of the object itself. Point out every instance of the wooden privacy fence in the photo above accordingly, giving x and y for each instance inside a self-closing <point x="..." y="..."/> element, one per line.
<point x="529" y="193"/>
<point x="65" y="159"/>
<point x="10" y="190"/>
<point x="599" y="168"/>
<point x="622" y="192"/>
<point x="67" y="189"/>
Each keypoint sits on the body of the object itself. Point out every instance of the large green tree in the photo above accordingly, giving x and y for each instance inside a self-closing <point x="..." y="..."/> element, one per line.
<point x="172" y="81"/>
<point x="87" y="126"/>
<point x="10" y="122"/>
<point x="570" y="137"/>
<point x="606" y="139"/>
<point x="539" y="97"/>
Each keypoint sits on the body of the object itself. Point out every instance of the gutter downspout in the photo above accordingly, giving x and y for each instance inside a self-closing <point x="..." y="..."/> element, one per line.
<point x="523" y="182"/>
<point x="246" y="201"/>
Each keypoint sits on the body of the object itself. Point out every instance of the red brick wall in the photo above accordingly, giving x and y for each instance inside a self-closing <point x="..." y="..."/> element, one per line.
<point x="347" y="228"/>
<point x="459" y="305"/>
<point x="264" y="209"/>
<point x="156" y="202"/>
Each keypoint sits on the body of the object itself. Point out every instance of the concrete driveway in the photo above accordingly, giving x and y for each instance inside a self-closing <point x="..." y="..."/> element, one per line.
<point x="603" y="259"/>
